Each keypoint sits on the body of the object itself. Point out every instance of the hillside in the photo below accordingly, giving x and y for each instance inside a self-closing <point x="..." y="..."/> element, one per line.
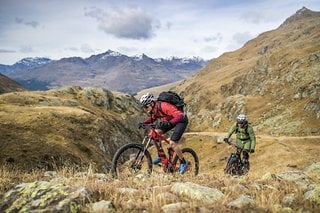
<point x="71" y="125"/>
<point x="274" y="79"/>
<point x="8" y="85"/>
<point x="109" y="70"/>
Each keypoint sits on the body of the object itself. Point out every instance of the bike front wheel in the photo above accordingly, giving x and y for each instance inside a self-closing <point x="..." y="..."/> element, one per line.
<point x="193" y="161"/>
<point x="131" y="160"/>
<point x="234" y="166"/>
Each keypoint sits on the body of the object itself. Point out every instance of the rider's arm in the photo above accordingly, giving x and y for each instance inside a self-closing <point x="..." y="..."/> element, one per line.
<point x="150" y="119"/>
<point x="252" y="137"/>
<point x="231" y="130"/>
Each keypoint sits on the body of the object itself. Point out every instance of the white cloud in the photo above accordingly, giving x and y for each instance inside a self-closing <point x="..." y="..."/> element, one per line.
<point x="132" y="23"/>
<point x="162" y="28"/>
<point x="241" y="38"/>
<point x="33" y="24"/>
<point x="86" y="48"/>
<point x="26" y="49"/>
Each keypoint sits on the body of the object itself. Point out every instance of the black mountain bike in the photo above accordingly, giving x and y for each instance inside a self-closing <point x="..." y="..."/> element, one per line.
<point x="236" y="165"/>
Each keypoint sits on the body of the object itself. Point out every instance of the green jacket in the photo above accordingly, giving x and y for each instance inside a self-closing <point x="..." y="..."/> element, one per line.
<point x="243" y="136"/>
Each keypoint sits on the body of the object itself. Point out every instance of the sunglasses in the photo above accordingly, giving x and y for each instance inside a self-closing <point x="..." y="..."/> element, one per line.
<point x="146" y="106"/>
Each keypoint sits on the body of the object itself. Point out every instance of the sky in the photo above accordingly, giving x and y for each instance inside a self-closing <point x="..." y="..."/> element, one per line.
<point x="160" y="29"/>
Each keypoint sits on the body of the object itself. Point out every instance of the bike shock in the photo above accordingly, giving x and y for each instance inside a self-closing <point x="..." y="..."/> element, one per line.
<point x="170" y="153"/>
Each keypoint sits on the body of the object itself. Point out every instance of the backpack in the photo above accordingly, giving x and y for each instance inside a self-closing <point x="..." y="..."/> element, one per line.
<point x="172" y="98"/>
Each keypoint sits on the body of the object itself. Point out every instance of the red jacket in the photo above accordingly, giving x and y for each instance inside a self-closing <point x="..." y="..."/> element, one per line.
<point x="168" y="112"/>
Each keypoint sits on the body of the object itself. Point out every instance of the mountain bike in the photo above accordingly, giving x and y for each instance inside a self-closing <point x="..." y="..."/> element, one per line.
<point x="236" y="165"/>
<point x="133" y="159"/>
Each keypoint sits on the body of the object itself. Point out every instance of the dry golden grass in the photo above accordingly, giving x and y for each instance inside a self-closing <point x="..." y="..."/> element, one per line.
<point x="267" y="193"/>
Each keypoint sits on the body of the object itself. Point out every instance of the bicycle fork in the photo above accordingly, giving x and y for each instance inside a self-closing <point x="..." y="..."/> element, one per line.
<point x="140" y="155"/>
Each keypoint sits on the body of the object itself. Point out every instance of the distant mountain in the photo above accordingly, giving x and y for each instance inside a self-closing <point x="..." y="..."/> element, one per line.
<point x="109" y="70"/>
<point x="8" y="85"/>
<point x="24" y="64"/>
<point x="274" y="79"/>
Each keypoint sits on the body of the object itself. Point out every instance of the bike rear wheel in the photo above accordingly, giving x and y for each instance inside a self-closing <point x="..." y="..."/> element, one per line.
<point x="193" y="161"/>
<point x="131" y="160"/>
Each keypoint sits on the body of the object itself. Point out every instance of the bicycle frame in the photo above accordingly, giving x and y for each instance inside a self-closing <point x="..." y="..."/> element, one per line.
<point x="238" y="153"/>
<point x="157" y="139"/>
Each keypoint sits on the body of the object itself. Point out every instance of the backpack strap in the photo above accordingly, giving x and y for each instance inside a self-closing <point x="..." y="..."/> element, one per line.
<point x="245" y="130"/>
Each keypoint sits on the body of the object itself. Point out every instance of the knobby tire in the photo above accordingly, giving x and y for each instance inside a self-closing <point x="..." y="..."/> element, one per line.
<point x="125" y="163"/>
<point x="191" y="156"/>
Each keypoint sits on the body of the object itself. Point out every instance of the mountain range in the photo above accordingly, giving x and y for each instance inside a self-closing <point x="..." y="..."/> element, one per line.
<point x="109" y="70"/>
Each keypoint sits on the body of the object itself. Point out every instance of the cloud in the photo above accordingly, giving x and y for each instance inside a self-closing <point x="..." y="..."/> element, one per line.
<point x="215" y="38"/>
<point x="33" y="24"/>
<point x="86" y="48"/>
<point x="7" y="51"/>
<point x="241" y="38"/>
<point x="132" y="23"/>
<point x="254" y="17"/>
<point x="26" y="49"/>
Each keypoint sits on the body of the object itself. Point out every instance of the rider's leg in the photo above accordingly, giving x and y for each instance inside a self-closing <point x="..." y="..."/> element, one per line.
<point x="177" y="150"/>
<point x="175" y="137"/>
<point x="246" y="152"/>
<point x="245" y="155"/>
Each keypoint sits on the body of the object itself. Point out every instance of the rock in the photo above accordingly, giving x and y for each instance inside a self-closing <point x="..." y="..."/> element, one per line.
<point x="50" y="174"/>
<point x="297" y="177"/>
<point x="313" y="194"/>
<point x="45" y="197"/>
<point x="174" y="207"/>
<point x="127" y="190"/>
<point x="241" y="202"/>
<point x="103" y="206"/>
<point x="288" y="200"/>
<point x="198" y="192"/>
<point x="166" y="197"/>
<point x="313" y="171"/>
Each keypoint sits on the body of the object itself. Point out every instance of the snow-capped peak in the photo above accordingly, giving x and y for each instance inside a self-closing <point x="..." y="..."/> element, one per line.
<point x="110" y="53"/>
<point x="33" y="62"/>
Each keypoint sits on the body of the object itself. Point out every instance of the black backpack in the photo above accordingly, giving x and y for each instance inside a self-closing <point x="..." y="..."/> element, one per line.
<point x="172" y="98"/>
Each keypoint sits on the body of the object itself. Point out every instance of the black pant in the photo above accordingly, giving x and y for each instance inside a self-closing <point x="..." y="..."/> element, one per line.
<point x="245" y="153"/>
<point x="178" y="129"/>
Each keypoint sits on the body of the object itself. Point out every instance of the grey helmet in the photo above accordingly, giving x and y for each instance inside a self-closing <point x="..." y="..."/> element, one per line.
<point x="241" y="118"/>
<point x="146" y="99"/>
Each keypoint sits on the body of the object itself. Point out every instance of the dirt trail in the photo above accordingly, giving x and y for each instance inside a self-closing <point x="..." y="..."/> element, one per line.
<point x="272" y="153"/>
<point x="259" y="136"/>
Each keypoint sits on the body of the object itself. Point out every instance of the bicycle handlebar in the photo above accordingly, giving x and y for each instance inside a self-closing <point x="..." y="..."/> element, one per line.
<point x="230" y="142"/>
<point x="151" y="126"/>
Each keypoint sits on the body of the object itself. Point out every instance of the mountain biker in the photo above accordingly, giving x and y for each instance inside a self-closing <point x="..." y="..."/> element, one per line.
<point x="245" y="136"/>
<point x="170" y="117"/>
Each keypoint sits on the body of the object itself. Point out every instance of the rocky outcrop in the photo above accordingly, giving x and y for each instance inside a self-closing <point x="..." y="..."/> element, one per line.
<point x="66" y="126"/>
<point x="43" y="196"/>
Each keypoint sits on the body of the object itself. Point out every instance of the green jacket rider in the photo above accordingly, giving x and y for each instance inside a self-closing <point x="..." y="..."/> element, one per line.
<point x="245" y="136"/>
